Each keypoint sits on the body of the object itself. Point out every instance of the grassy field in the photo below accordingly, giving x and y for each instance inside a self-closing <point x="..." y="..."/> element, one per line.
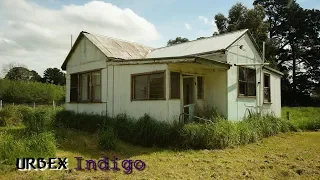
<point x="305" y="118"/>
<point x="286" y="156"/>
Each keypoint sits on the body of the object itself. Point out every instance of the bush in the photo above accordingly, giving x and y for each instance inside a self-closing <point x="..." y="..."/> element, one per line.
<point x="107" y="138"/>
<point x="36" y="145"/>
<point x="29" y="92"/>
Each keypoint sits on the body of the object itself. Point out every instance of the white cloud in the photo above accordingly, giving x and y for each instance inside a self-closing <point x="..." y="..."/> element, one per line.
<point x="40" y="37"/>
<point x="203" y="19"/>
<point x="188" y="26"/>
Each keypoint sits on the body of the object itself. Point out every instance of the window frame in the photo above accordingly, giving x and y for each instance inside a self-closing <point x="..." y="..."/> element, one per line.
<point x="202" y="88"/>
<point x="269" y="88"/>
<point x="90" y="100"/>
<point x="179" y="79"/>
<point x="74" y="87"/>
<point x="148" y="85"/>
<point x="246" y="82"/>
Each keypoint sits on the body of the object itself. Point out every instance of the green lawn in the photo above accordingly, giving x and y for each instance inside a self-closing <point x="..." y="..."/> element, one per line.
<point x="286" y="156"/>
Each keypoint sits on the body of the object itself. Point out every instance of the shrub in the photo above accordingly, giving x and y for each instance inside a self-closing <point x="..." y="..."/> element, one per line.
<point x="107" y="138"/>
<point x="29" y="92"/>
<point x="36" y="145"/>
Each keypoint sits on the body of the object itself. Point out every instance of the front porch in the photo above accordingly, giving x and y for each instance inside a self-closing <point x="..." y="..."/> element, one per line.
<point x="202" y="87"/>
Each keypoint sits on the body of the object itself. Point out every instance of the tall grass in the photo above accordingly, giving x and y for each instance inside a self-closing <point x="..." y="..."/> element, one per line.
<point x="223" y="133"/>
<point x="35" y="145"/>
<point x="305" y="118"/>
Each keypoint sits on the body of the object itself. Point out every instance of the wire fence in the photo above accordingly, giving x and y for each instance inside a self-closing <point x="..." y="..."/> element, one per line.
<point x="54" y="104"/>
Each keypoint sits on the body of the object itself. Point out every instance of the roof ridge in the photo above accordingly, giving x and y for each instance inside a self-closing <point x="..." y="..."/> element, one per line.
<point x="210" y="37"/>
<point x="116" y="39"/>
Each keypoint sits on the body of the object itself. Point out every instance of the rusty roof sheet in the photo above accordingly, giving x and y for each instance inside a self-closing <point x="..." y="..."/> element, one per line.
<point x="117" y="48"/>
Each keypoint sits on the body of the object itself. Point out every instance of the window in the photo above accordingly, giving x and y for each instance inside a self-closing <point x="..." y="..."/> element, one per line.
<point x="247" y="82"/>
<point x="96" y="86"/>
<point x="74" y="88"/>
<point x="266" y="89"/>
<point x="175" y="85"/>
<point x="200" y="87"/>
<point x="85" y="87"/>
<point x="148" y="86"/>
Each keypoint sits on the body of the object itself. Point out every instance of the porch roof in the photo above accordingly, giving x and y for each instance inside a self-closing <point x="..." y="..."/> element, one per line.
<point x="180" y="59"/>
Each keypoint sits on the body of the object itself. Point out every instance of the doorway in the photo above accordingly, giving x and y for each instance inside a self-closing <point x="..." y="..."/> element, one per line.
<point x="188" y="97"/>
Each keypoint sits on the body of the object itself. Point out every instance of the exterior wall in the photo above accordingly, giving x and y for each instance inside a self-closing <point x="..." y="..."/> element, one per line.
<point x="275" y="106"/>
<point x="215" y="94"/>
<point x="238" y="106"/>
<point x="119" y="97"/>
<point x="87" y="57"/>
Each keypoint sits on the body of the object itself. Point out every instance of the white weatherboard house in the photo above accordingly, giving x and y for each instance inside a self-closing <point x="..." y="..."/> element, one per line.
<point x="112" y="76"/>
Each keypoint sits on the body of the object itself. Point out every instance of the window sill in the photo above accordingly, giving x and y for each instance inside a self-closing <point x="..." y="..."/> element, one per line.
<point x="85" y="102"/>
<point x="162" y="99"/>
<point x="251" y="97"/>
<point x="267" y="103"/>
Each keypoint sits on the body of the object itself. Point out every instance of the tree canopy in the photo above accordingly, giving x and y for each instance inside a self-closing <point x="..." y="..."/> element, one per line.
<point x="178" y="40"/>
<point x="54" y="76"/>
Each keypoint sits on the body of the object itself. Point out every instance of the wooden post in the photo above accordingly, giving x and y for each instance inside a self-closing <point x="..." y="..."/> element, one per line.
<point x="0" y="104"/>
<point x="13" y="104"/>
<point x="288" y="115"/>
<point x="54" y="105"/>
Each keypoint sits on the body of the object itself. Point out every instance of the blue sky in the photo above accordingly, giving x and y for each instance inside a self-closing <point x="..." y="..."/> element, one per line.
<point x="171" y="16"/>
<point x="36" y="33"/>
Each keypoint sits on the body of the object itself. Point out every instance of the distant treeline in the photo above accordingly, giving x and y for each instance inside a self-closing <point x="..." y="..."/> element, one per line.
<point x="29" y="92"/>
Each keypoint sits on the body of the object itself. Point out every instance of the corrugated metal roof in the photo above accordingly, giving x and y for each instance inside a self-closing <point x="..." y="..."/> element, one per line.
<point x="117" y="48"/>
<point x="214" y="43"/>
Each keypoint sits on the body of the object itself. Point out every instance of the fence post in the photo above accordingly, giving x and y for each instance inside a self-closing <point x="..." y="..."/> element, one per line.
<point x="54" y="105"/>
<point x="288" y="115"/>
<point x="0" y="104"/>
<point x="13" y="104"/>
<point x="34" y="105"/>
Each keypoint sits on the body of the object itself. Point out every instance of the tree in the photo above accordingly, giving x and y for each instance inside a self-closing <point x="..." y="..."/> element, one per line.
<point x="240" y="17"/>
<point x="7" y="67"/>
<point x="178" y="40"/>
<point x="19" y="73"/>
<point x="295" y="32"/>
<point x="54" y="76"/>
<point x="35" y="76"/>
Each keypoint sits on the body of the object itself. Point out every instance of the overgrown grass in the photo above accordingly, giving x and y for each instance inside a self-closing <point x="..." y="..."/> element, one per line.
<point x="305" y="118"/>
<point x="35" y="145"/>
<point x="223" y="133"/>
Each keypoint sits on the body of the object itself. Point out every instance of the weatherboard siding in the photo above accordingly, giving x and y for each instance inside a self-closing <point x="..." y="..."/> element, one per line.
<point x="86" y="57"/>
<point x="238" y="107"/>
